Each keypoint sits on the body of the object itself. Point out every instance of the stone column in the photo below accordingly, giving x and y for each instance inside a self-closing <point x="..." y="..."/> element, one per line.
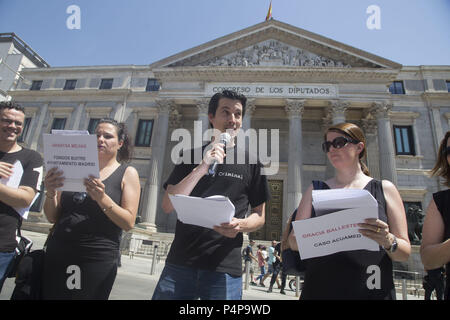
<point x="369" y="125"/>
<point x="249" y="111"/>
<point x="438" y="135"/>
<point x="169" y="221"/>
<point x="39" y="126"/>
<point x="335" y="114"/>
<point x="78" y="112"/>
<point x="202" y="106"/>
<point x="388" y="168"/>
<point x="154" y="183"/>
<point x="294" y="109"/>
<point x="117" y="112"/>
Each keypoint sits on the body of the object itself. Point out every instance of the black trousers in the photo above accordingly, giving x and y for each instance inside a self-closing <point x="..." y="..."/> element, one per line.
<point x="71" y="274"/>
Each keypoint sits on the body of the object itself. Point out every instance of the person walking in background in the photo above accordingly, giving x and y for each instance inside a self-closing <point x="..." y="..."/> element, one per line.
<point x="261" y="264"/>
<point x="276" y="266"/>
<point x="82" y="253"/>
<point x="435" y="247"/>
<point x="12" y="117"/>
<point x="248" y="261"/>
<point x="344" y="275"/>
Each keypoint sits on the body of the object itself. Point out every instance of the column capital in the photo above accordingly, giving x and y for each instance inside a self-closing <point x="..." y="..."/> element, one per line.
<point x="369" y="126"/>
<point x="175" y="117"/>
<point x="202" y="105"/>
<point x="338" y="106"/>
<point x="165" y="105"/>
<point x="381" y="109"/>
<point x="294" y="107"/>
<point x="250" y="106"/>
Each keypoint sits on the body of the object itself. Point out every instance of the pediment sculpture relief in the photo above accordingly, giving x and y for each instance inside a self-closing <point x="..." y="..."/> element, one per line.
<point x="273" y="53"/>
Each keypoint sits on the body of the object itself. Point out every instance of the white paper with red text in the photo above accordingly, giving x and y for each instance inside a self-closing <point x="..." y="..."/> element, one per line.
<point x="337" y="231"/>
<point x="75" y="154"/>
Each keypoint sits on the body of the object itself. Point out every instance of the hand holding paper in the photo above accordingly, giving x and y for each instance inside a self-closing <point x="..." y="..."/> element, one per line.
<point x="204" y="212"/>
<point x="229" y="230"/>
<point x="13" y="181"/>
<point x="75" y="154"/>
<point x="5" y="171"/>
<point x="336" y="231"/>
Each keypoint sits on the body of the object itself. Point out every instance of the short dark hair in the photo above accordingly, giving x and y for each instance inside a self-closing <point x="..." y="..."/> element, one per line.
<point x="214" y="102"/>
<point x="126" y="151"/>
<point x="11" y="105"/>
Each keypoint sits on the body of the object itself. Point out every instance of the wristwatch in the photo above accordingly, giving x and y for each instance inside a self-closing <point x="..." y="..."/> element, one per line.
<point x="394" y="245"/>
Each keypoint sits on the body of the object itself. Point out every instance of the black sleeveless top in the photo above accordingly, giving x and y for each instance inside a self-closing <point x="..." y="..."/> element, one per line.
<point x="442" y="200"/>
<point x="84" y="224"/>
<point x="352" y="275"/>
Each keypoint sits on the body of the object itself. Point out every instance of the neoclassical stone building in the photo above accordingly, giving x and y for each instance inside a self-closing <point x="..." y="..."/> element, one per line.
<point x="297" y="83"/>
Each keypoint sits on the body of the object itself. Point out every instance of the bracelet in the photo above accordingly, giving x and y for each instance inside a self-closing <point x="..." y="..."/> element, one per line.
<point x="107" y="209"/>
<point x="51" y="196"/>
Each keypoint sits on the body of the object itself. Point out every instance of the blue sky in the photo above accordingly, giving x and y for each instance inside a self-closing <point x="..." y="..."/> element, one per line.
<point x="139" y="32"/>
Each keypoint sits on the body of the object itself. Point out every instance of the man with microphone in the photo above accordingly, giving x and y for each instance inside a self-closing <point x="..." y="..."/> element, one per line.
<point x="206" y="263"/>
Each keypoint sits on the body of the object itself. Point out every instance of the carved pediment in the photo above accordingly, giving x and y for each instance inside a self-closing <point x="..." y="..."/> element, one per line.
<point x="273" y="53"/>
<point x="275" y="44"/>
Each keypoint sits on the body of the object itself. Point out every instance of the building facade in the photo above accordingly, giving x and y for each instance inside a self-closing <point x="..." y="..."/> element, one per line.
<point x="15" y="55"/>
<point x="297" y="84"/>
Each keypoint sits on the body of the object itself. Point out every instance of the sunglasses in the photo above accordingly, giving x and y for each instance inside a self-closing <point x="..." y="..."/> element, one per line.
<point x="446" y="151"/>
<point x="79" y="197"/>
<point x="337" y="143"/>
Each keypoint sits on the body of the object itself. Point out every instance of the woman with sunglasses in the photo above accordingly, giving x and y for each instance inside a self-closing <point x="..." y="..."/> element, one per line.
<point x="358" y="274"/>
<point x="435" y="248"/>
<point x="83" y="251"/>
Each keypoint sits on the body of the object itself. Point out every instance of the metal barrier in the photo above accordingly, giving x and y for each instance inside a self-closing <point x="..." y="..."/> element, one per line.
<point x="408" y="282"/>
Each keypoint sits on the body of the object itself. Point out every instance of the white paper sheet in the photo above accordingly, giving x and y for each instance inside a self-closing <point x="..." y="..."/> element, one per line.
<point x="203" y="212"/>
<point x="335" y="199"/>
<point x="336" y="231"/>
<point x="14" y="181"/>
<point x="75" y="154"/>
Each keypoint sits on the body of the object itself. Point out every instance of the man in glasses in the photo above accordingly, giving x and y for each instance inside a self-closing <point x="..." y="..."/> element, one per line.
<point x="12" y="117"/>
<point x="206" y="263"/>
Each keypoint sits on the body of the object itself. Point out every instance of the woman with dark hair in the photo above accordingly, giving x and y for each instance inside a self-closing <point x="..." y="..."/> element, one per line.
<point x="435" y="248"/>
<point x="350" y="274"/>
<point x="83" y="251"/>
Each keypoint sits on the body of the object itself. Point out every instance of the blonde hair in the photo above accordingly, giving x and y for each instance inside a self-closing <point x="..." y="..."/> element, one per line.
<point x="353" y="131"/>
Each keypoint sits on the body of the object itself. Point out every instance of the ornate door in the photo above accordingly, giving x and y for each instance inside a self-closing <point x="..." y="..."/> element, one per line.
<point x="274" y="214"/>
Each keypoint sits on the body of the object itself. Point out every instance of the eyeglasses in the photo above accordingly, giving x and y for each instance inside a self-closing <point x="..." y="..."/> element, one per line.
<point x="79" y="197"/>
<point x="337" y="143"/>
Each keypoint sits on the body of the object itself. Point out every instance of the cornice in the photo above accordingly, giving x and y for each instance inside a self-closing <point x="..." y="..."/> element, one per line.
<point x="76" y="94"/>
<point x="436" y="95"/>
<point x="271" y="74"/>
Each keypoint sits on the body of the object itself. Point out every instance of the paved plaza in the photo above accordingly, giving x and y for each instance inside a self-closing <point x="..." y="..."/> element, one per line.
<point x="134" y="281"/>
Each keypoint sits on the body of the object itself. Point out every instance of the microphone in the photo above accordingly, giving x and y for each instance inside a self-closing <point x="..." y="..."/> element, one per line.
<point x="225" y="138"/>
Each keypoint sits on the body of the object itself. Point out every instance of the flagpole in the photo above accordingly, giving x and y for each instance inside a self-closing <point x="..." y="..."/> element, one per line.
<point x="269" y="12"/>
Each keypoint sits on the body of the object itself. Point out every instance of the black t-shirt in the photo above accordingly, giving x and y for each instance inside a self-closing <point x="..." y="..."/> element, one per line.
<point x="32" y="175"/>
<point x="248" y="251"/>
<point x="277" y="252"/>
<point x="204" y="248"/>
